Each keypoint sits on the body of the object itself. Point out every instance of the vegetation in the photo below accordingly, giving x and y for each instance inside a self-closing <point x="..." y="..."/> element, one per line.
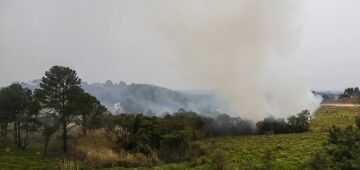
<point x="60" y="126"/>
<point x="57" y="94"/>
<point x="294" y="124"/>
<point x="60" y="105"/>
<point x="342" y="150"/>
<point x="327" y="116"/>
<point x="19" y="108"/>
<point x="291" y="150"/>
<point x="351" y="92"/>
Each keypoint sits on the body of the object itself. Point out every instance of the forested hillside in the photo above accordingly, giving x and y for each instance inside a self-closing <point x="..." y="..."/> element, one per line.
<point x="148" y="99"/>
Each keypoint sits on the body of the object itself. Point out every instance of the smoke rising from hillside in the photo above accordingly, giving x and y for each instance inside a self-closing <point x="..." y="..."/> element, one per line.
<point x="239" y="49"/>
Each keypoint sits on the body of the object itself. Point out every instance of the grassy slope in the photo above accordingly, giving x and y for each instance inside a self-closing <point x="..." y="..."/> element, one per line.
<point x="339" y="116"/>
<point x="292" y="150"/>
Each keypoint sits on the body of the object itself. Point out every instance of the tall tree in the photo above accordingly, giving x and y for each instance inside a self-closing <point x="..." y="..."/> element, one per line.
<point x="5" y="116"/>
<point x="17" y="106"/>
<point x="56" y="95"/>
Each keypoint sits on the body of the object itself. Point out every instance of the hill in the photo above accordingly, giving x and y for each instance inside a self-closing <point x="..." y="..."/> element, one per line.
<point x="149" y="99"/>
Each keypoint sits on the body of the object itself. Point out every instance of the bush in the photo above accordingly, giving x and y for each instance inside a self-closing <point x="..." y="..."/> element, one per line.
<point x="94" y="149"/>
<point x="268" y="161"/>
<point x="272" y="125"/>
<point x="219" y="160"/>
<point x="225" y="125"/>
<point x="138" y="160"/>
<point x="198" y="152"/>
<point x="357" y="122"/>
<point x="299" y="123"/>
<point x="69" y="165"/>
<point x="294" y="124"/>
<point x="319" y="162"/>
<point x="174" y="146"/>
<point x="343" y="148"/>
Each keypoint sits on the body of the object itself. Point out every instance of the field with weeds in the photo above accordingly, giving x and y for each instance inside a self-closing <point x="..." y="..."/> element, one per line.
<point x="290" y="151"/>
<point x="328" y="116"/>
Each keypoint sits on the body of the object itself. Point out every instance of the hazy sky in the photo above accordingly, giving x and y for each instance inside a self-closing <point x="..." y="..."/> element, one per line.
<point x="105" y="39"/>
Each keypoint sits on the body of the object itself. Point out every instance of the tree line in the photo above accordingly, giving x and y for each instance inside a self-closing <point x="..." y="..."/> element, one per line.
<point x="351" y="92"/>
<point x="294" y="124"/>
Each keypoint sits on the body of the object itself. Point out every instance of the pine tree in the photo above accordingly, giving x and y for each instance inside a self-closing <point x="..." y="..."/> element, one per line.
<point x="57" y="94"/>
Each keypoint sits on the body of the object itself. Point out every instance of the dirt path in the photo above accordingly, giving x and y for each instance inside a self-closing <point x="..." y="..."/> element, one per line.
<point x="340" y="105"/>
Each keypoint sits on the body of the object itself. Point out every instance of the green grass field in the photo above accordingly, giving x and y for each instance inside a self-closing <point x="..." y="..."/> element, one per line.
<point x="291" y="150"/>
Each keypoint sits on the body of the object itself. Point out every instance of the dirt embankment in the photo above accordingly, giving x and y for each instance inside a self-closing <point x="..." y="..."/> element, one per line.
<point x="343" y="102"/>
<point x="350" y="100"/>
<point x="340" y="105"/>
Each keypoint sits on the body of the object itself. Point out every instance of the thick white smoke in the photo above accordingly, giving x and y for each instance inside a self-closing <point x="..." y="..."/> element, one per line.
<point x="234" y="47"/>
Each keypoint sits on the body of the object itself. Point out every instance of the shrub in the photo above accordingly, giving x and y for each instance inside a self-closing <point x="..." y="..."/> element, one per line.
<point x="268" y="161"/>
<point x="95" y="150"/>
<point x="198" y="152"/>
<point x="299" y="123"/>
<point x="69" y="165"/>
<point x="343" y="148"/>
<point x="138" y="160"/>
<point x="218" y="160"/>
<point x="174" y="145"/>
<point x="319" y="162"/>
<point x="272" y="125"/>
<point x="294" y="124"/>
<point x="357" y="122"/>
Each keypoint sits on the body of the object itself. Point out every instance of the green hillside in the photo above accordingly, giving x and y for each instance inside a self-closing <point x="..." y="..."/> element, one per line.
<point x="292" y="150"/>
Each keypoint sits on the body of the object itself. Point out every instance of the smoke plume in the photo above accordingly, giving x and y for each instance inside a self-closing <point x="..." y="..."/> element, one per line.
<point x="239" y="49"/>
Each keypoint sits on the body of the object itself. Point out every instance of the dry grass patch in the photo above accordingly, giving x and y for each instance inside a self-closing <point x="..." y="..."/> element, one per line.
<point x="95" y="150"/>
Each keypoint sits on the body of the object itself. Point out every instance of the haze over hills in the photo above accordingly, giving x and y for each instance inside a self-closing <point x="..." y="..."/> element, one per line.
<point x="148" y="99"/>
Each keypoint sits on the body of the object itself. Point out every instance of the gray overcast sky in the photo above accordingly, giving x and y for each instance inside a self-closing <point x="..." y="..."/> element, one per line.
<point x="104" y="40"/>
